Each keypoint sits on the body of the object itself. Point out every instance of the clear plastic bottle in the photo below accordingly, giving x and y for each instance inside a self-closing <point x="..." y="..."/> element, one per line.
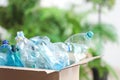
<point x="80" y="38"/>
<point x="40" y="39"/>
<point x="60" y="52"/>
<point x="48" y="58"/>
<point x="27" y="53"/>
<point x="78" y="45"/>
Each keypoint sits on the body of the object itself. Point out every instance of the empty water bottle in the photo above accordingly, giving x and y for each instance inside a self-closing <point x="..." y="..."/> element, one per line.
<point x="80" y="38"/>
<point x="13" y="58"/>
<point x="4" y="49"/>
<point x="60" y="52"/>
<point x="27" y="52"/>
<point x="48" y="58"/>
<point x="5" y="46"/>
<point x="40" y="39"/>
<point x="3" y="59"/>
<point x="78" y="45"/>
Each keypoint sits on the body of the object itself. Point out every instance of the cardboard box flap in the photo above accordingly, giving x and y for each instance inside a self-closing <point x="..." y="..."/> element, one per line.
<point x="27" y="69"/>
<point x="84" y="61"/>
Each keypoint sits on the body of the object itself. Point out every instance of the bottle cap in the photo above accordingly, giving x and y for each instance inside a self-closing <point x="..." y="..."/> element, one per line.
<point x="90" y="34"/>
<point x="5" y="42"/>
<point x="20" y="34"/>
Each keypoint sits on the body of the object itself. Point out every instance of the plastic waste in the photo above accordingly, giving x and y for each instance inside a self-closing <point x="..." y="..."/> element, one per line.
<point x="80" y="38"/>
<point x="40" y="52"/>
<point x="3" y="59"/>
<point x="60" y="52"/>
<point x="13" y="58"/>
<point x="27" y="53"/>
<point x="40" y="39"/>
<point x="48" y="58"/>
<point x="78" y="45"/>
<point x="4" y="49"/>
<point x="8" y="55"/>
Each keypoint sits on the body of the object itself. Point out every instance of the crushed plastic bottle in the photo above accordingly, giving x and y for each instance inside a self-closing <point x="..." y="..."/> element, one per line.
<point x="3" y="59"/>
<point x="40" y="39"/>
<point x="8" y="57"/>
<point x="5" y="46"/>
<point x="27" y="53"/>
<point x="40" y="52"/>
<point x="60" y="52"/>
<point x="4" y="49"/>
<point x="13" y="58"/>
<point x="51" y="60"/>
<point x="49" y="55"/>
<point x="78" y="45"/>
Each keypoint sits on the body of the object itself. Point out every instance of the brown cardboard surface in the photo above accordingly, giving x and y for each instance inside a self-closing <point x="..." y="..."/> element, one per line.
<point x="17" y="73"/>
<point x="27" y="69"/>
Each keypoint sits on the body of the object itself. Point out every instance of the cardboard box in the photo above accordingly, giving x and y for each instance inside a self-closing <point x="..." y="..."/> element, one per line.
<point x="16" y="73"/>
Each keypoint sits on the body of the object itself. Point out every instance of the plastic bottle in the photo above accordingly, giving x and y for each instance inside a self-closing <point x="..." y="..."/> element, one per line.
<point x="5" y="46"/>
<point x="80" y="38"/>
<point x="48" y="59"/>
<point x="13" y="58"/>
<point x="78" y="45"/>
<point x="40" y="39"/>
<point x="3" y="59"/>
<point x="60" y="52"/>
<point x="4" y="49"/>
<point x="27" y="52"/>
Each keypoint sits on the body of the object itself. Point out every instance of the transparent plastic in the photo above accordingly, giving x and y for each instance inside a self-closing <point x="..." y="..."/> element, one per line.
<point x="78" y="46"/>
<point x="27" y="53"/>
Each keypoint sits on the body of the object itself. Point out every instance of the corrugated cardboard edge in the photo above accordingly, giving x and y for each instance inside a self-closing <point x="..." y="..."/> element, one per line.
<point x="27" y="69"/>
<point x="86" y="60"/>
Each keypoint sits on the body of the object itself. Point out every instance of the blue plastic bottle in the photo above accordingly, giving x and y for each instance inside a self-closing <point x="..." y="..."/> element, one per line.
<point x="3" y="59"/>
<point x="4" y="49"/>
<point x="13" y="58"/>
<point x="5" y="46"/>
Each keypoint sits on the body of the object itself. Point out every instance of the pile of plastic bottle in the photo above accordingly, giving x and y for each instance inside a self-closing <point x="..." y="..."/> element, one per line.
<point x="40" y="52"/>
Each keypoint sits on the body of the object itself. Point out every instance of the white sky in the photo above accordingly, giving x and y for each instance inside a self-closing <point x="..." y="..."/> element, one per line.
<point x="112" y="51"/>
<point x="3" y="2"/>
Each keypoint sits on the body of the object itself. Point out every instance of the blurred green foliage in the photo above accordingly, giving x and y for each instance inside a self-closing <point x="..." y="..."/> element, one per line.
<point x="58" y="25"/>
<point x="26" y="15"/>
<point x="14" y="13"/>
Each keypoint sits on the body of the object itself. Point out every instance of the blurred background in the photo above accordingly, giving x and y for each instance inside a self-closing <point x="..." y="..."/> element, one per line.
<point x="59" y="19"/>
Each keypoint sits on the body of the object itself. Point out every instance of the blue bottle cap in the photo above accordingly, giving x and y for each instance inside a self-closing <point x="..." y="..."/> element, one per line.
<point x="5" y="42"/>
<point x="90" y="34"/>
